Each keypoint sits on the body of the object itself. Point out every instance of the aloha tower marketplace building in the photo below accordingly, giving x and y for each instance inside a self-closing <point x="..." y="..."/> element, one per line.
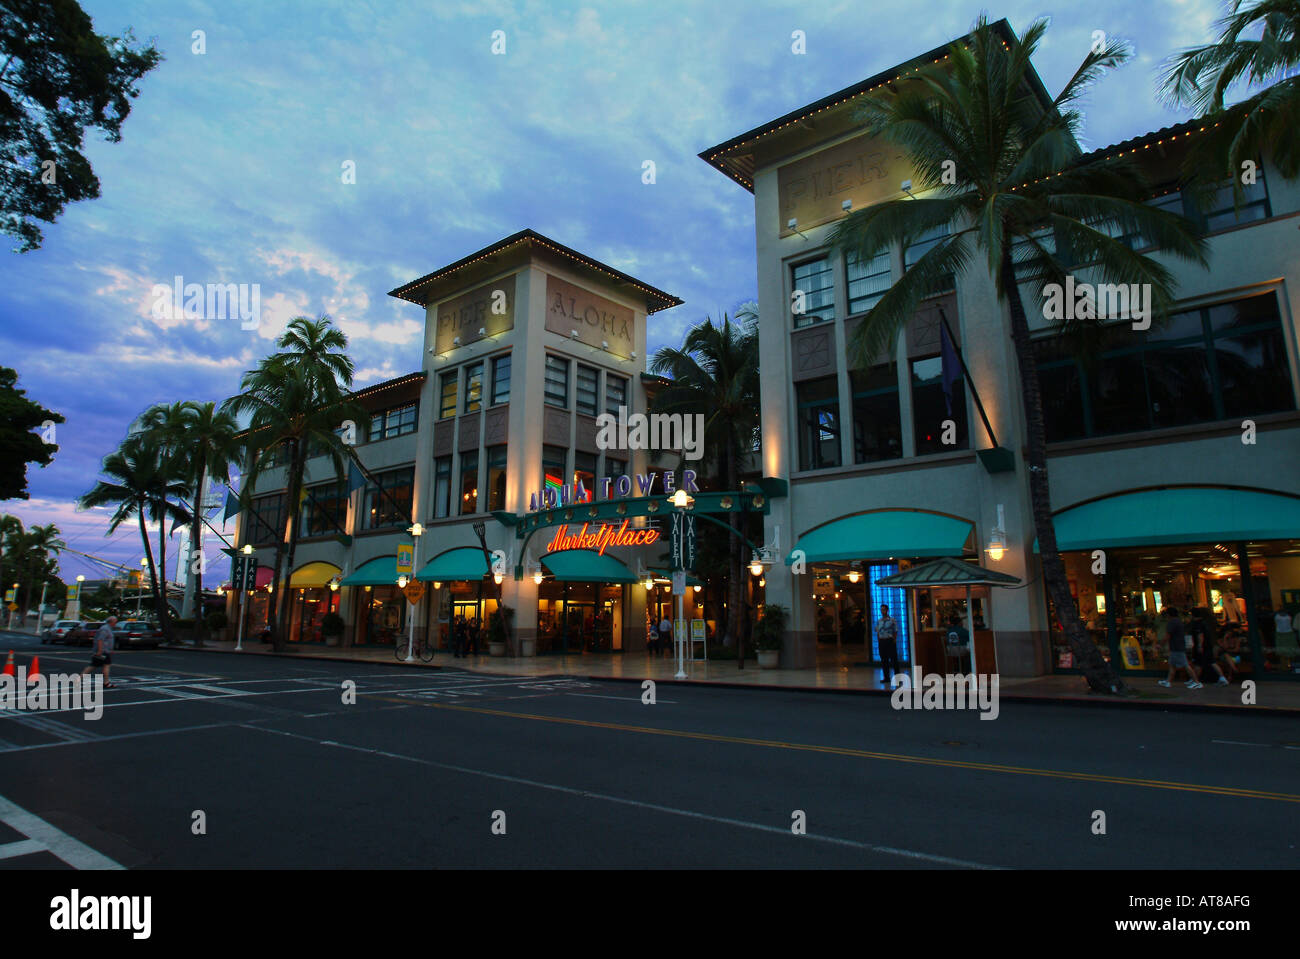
<point x="526" y="343"/>
<point x="1175" y="457"/>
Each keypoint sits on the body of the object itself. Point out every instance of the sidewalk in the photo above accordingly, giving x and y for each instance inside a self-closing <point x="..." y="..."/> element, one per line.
<point x="834" y="673"/>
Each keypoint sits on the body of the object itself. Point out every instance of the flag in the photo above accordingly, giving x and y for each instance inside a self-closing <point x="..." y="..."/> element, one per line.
<point x="232" y="504"/>
<point x="355" y="478"/>
<point x="951" y="365"/>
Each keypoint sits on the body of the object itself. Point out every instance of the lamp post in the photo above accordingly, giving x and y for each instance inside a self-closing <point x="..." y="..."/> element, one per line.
<point x="71" y="612"/>
<point x="416" y="531"/>
<point x="681" y="501"/>
<point x="244" y="593"/>
<point x="144" y="565"/>
<point x="11" y="612"/>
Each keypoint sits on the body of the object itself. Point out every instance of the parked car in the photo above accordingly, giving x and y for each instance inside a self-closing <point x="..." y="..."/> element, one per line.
<point x="59" y="630"/>
<point x="133" y="633"/>
<point x="83" y="634"/>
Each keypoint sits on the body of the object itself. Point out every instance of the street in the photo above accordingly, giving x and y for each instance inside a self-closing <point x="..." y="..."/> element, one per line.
<point x="442" y="767"/>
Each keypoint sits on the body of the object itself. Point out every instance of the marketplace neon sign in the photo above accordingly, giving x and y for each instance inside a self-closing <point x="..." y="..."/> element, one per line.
<point x="603" y="536"/>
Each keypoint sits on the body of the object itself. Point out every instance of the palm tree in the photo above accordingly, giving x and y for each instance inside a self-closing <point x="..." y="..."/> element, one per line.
<point x="38" y="544"/>
<point x="296" y="401"/>
<point x="1021" y="204"/>
<point x="715" y="374"/>
<point x="165" y="424"/>
<point x="209" y="439"/>
<point x="139" y="481"/>
<point x="1264" y="122"/>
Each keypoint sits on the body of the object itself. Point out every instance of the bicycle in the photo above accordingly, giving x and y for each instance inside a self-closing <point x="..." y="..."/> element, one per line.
<point x="423" y="648"/>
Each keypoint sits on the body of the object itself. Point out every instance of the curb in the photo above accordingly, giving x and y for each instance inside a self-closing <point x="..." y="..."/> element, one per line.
<point x="1085" y="702"/>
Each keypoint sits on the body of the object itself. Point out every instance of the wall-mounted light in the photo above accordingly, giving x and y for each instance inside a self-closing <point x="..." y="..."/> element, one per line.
<point x="846" y="206"/>
<point x="537" y="575"/>
<point x="696" y="588"/>
<point x="649" y="582"/>
<point x="482" y="331"/>
<point x="756" y="565"/>
<point x="437" y="584"/>
<point x="854" y="575"/>
<point x="455" y="341"/>
<point x="762" y="581"/>
<point x="573" y="334"/>
<point x="497" y="578"/>
<point x="604" y="344"/>
<point x="998" y="538"/>
<point x="401" y="582"/>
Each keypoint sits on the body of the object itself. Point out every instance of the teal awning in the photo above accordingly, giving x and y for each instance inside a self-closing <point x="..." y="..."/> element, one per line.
<point x="377" y="572"/>
<point x="882" y="535"/>
<point x="586" y="566"/>
<point x="1166" y="517"/>
<point x="465" y="563"/>
<point x="947" y="571"/>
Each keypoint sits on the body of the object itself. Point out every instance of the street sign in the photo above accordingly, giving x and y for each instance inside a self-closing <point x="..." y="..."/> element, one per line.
<point x="679" y="582"/>
<point x="9" y="595"/>
<point x="74" y="592"/>
<point x="682" y="544"/>
<point x="414" y="591"/>
<point x="12" y="607"/>
<point x="237" y="573"/>
<point x="405" y="558"/>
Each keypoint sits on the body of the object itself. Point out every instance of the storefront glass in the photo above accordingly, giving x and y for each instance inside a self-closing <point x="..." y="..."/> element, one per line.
<point x="310" y="604"/>
<point x="380" y="615"/>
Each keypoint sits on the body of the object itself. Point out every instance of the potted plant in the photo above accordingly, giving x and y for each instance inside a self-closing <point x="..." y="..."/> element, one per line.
<point x="331" y="627"/>
<point x="216" y="622"/>
<point x="497" y="631"/>
<point x="769" y="632"/>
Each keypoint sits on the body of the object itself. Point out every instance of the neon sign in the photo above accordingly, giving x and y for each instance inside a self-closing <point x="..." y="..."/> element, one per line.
<point x="557" y="493"/>
<point x="604" y="535"/>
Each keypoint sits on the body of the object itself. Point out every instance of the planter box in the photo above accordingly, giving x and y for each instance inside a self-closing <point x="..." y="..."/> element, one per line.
<point x="497" y="649"/>
<point x="769" y="658"/>
<point x="528" y="647"/>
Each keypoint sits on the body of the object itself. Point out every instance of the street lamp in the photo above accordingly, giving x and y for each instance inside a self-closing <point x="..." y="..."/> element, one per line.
<point x="755" y="565"/>
<point x="998" y="539"/>
<point x="144" y="565"/>
<point x="416" y="530"/>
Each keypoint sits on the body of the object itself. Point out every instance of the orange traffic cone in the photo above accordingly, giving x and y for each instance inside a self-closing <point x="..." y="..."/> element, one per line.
<point x="35" y="669"/>
<point x="9" y="665"/>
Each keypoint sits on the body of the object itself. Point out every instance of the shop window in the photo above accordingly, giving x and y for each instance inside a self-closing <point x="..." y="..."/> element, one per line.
<point x="447" y="394"/>
<point x="554" y="463"/>
<point x="584" y="471"/>
<point x="324" y="510"/>
<point x="867" y="281"/>
<point x="496" y="466"/>
<point x="877" y="425"/>
<point x="923" y="245"/>
<point x="395" y="422"/>
<point x="814" y="280"/>
<point x="931" y="412"/>
<point x="500" y="379"/>
<point x="473" y="386"/>
<point x="388" y="501"/>
<point x="468" y="483"/>
<point x="588" y="389"/>
<point x="442" y="487"/>
<point x="557" y="381"/>
<point x="1220" y="211"/>
<point x="1223" y="362"/>
<point x="615" y="393"/>
<point x="819" y="423"/>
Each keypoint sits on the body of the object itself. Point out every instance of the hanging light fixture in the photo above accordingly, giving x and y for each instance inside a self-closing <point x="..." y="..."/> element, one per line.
<point x="998" y="539"/>
<point x="649" y="582"/>
<point x="756" y="565"/>
<point x="401" y="582"/>
<point x="437" y="584"/>
<point x="696" y="588"/>
<point x="537" y="575"/>
<point x="762" y="581"/>
<point x="854" y="575"/>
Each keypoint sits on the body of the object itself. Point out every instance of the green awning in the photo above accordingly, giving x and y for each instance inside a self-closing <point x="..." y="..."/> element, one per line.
<point x="467" y="563"/>
<point x="586" y="566"/>
<point x="691" y="580"/>
<point x="947" y="571"/>
<point x="377" y="572"/>
<point x="1166" y="517"/>
<point x="884" y="534"/>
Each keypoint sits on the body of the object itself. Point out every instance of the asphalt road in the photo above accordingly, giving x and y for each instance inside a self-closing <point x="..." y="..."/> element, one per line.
<point x="418" y="770"/>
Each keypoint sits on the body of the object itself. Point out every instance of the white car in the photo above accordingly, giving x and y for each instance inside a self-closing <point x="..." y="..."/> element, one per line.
<point x="59" y="631"/>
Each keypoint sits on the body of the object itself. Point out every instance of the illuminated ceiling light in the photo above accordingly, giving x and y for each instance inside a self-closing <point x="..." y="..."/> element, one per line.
<point x="854" y="575"/>
<point x="696" y="588"/>
<point x="649" y="582"/>
<point x="497" y="578"/>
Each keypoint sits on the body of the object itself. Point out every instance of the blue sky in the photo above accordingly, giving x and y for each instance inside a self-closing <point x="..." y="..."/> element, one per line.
<point x="229" y="170"/>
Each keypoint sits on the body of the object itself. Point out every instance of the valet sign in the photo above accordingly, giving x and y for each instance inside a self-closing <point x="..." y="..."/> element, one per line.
<point x="600" y="537"/>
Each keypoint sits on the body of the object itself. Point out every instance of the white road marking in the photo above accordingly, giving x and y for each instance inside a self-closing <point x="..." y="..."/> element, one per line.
<point x="1234" y="742"/>
<point x="72" y="851"/>
<point x="625" y="699"/>
<point x="23" y="847"/>
<point x="655" y="807"/>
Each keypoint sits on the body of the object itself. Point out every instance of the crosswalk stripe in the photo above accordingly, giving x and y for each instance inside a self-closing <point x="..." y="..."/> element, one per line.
<point x="72" y="851"/>
<point x="23" y="847"/>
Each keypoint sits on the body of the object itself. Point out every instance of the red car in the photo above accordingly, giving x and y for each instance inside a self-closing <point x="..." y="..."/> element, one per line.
<point x="82" y="634"/>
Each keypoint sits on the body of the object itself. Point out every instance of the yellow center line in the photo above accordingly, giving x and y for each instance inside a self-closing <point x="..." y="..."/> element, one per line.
<point x="870" y="754"/>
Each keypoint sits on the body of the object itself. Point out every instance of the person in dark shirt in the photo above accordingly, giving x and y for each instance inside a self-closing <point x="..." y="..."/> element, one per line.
<point x="1176" y="633"/>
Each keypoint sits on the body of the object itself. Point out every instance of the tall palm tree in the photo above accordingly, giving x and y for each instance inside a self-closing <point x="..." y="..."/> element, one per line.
<point x="715" y="374"/>
<point x="11" y="531"/>
<point x="140" y="482"/>
<point x="296" y="402"/>
<point x="40" y="544"/>
<point x="165" y="424"/>
<point x="1264" y="122"/>
<point x="1018" y="186"/>
<point x="209" y="439"/>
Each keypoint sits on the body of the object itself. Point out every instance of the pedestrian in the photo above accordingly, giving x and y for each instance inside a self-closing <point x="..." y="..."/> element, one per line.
<point x="102" y="650"/>
<point x="1203" y="644"/>
<point x="887" y="640"/>
<point x="459" y="637"/>
<point x="473" y="636"/>
<point x="651" y="638"/>
<point x="1176" y="634"/>
<point x="665" y="635"/>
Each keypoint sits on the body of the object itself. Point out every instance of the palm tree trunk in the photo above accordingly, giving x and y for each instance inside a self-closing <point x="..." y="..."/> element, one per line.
<point x="148" y="555"/>
<point x="1100" y="676"/>
<point x="196" y="531"/>
<point x="299" y="465"/>
<point x="164" y="613"/>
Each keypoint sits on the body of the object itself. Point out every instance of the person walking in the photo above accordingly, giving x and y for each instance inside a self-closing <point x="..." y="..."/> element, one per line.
<point x="1176" y="634"/>
<point x="665" y="635"/>
<point x="102" y="650"/>
<point x="887" y="639"/>
<point x="1203" y="647"/>
<point x="458" y="638"/>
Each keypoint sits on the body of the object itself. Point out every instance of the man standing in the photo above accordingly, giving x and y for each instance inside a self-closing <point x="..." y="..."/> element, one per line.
<point x="102" y="649"/>
<point x="887" y="638"/>
<point x="666" y="636"/>
<point x="1176" y="633"/>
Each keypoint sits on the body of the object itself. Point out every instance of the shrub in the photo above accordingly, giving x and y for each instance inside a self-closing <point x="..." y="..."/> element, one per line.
<point x="331" y="624"/>
<point x="216" y="620"/>
<point x="769" y="631"/>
